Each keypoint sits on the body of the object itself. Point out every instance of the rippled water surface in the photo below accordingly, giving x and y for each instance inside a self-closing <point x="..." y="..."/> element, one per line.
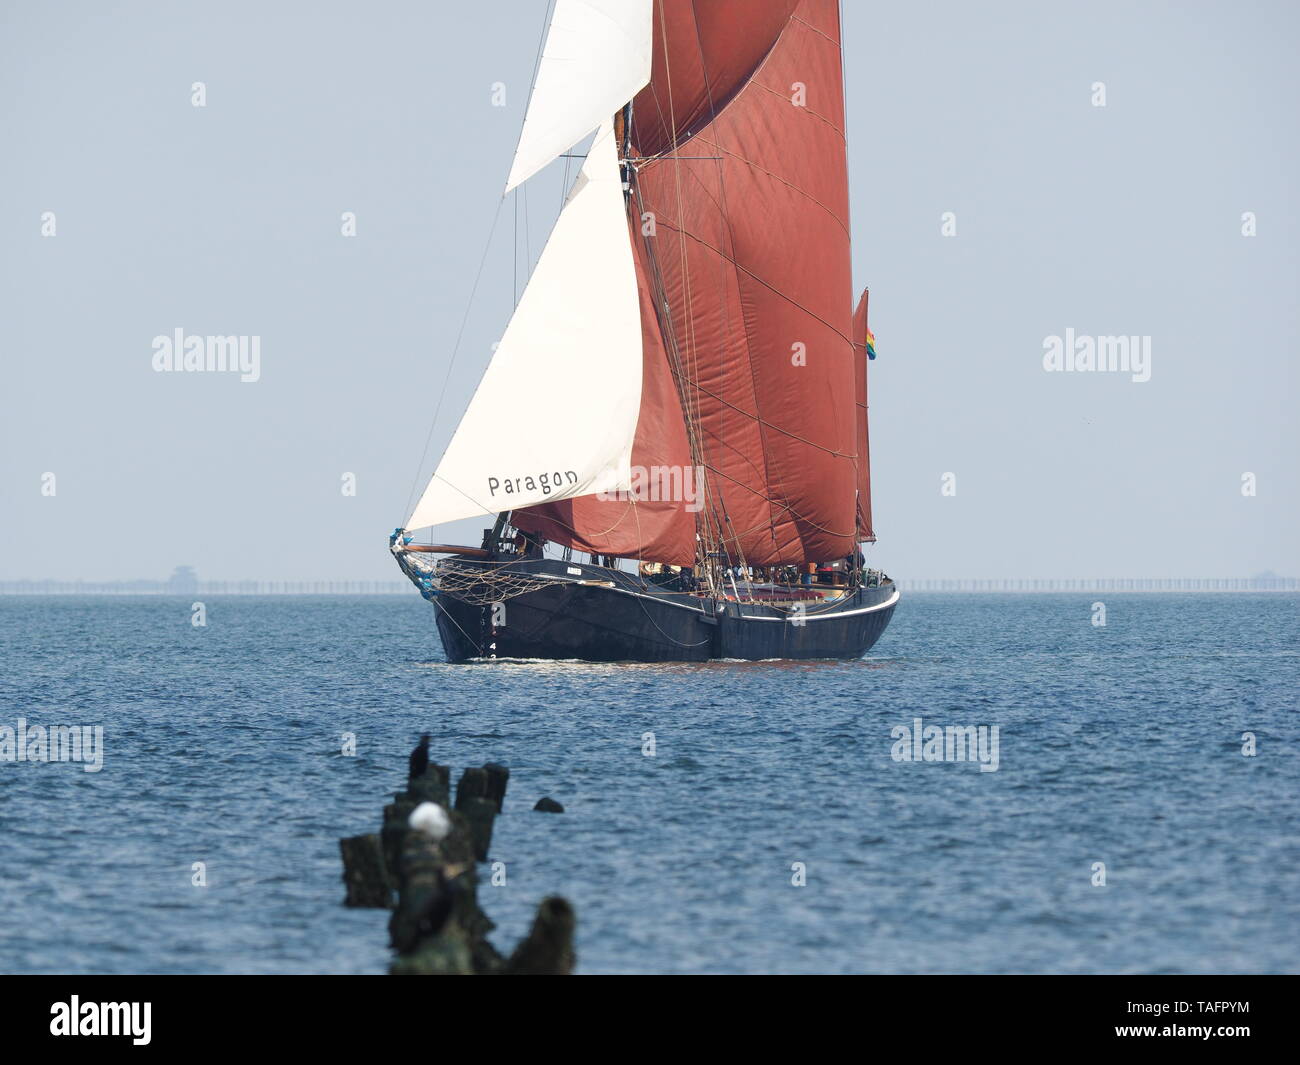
<point x="1119" y="745"/>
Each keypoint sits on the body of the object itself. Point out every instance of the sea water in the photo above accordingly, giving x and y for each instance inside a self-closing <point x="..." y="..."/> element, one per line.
<point x="1143" y="814"/>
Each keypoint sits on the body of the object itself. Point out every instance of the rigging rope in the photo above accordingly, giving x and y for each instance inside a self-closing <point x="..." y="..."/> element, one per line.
<point x="442" y="395"/>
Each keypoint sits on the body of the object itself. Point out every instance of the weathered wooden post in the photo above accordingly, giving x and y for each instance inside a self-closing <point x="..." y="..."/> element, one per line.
<point x="429" y="853"/>
<point x="365" y="873"/>
<point x="438" y="926"/>
<point x="480" y="811"/>
<point x="394" y="831"/>
<point x="423" y="929"/>
<point x="473" y="784"/>
<point x="547" y="950"/>
<point x="433" y="786"/>
<point x="498" y="776"/>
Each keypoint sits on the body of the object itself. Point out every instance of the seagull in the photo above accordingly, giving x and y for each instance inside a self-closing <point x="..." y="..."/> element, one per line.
<point x="431" y="819"/>
<point x="420" y="757"/>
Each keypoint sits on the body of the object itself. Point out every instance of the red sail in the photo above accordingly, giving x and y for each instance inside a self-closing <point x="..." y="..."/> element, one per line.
<point x="743" y="184"/>
<point x="864" y="448"/>
<point x="749" y="202"/>
<point x="644" y="526"/>
<point x="704" y="53"/>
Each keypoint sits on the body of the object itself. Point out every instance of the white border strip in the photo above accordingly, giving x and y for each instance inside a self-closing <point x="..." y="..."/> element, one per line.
<point x="827" y="615"/>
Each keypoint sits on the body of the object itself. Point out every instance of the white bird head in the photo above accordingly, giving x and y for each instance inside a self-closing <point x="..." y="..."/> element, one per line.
<point x="431" y="819"/>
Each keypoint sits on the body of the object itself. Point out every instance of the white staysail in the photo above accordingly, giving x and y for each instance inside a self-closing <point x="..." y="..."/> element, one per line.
<point x="596" y="58"/>
<point x="556" y="411"/>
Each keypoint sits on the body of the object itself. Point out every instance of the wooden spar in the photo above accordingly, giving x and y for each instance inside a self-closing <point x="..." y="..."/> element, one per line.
<point x="447" y="549"/>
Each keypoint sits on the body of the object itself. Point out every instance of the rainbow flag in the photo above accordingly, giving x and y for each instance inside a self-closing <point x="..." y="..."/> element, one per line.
<point x="871" y="344"/>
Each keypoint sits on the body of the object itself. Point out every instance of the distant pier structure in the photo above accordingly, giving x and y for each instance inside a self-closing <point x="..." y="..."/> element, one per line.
<point x="185" y="581"/>
<point x="1263" y="582"/>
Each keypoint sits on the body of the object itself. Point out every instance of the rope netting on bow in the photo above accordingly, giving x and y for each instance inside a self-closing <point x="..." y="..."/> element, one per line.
<point x="473" y="582"/>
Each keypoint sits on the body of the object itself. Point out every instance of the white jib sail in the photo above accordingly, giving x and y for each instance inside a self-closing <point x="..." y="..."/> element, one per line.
<point x="596" y="58"/>
<point x="556" y="411"/>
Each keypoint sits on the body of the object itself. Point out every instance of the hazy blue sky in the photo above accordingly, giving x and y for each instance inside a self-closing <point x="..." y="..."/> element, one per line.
<point x="225" y="219"/>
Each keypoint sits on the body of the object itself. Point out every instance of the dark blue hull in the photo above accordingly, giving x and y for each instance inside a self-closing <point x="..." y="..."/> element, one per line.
<point x="602" y="615"/>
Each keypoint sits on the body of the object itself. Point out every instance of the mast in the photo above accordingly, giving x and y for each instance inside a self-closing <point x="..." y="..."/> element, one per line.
<point x="708" y="546"/>
<point x="862" y="355"/>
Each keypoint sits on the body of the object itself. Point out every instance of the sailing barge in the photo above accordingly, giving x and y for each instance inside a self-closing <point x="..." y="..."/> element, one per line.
<point x="672" y="432"/>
